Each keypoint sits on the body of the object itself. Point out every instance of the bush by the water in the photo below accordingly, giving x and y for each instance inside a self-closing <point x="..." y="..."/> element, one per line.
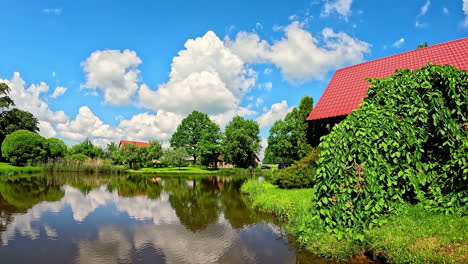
<point x="300" y="175"/>
<point x="408" y="143"/>
<point x="23" y="146"/>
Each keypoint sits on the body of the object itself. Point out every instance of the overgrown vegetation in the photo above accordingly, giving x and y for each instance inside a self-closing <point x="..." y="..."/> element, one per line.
<point x="87" y="165"/>
<point x="300" y="175"/>
<point x="414" y="236"/>
<point x="408" y="143"/>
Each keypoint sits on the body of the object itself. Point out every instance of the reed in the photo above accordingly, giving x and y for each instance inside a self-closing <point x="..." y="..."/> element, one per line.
<point x="87" y="166"/>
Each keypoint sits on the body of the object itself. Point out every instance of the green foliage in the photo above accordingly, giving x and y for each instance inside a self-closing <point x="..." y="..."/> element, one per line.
<point x="154" y="151"/>
<point x="16" y="119"/>
<point x="198" y="135"/>
<point x="132" y="155"/>
<point x="407" y="143"/>
<point x="87" y="148"/>
<point x="111" y="149"/>
<point x="78" y="157"/>
<point x="5" y="100"/>
<point x="299" y="175"/>
<point x="241" y="142"/>
<point x="287" y="141"/>
<point x="422" y="45"/>
<point x="210" y="144"/>
<point x="294" y="206"/>
<point x="24" y="146"/>
<point x="56" y="148"/>
<point x="176" y="157"/>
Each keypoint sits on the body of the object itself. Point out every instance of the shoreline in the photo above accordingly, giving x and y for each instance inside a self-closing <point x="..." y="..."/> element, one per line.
<point x="414" y="236"/>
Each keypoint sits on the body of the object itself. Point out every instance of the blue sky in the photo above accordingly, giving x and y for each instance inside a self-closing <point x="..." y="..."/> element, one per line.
<point x="134" y="69"/>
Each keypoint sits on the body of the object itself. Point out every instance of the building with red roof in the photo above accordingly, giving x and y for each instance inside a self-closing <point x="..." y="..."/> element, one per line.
<point x="348" y="86"/>
<point x="136" y="143"/>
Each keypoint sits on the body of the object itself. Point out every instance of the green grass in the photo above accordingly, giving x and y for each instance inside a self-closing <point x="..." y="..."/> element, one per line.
<point x="419" y="236"/>
<point x="6" y="168"/>
<point x="415" y="236"/>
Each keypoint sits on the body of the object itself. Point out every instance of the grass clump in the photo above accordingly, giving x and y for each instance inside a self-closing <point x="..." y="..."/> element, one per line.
<point x="421" y="236"/>
<point x="6" y="168"/>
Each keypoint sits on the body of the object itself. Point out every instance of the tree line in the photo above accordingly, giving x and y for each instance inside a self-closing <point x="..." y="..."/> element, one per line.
<point x="197" y="137"/>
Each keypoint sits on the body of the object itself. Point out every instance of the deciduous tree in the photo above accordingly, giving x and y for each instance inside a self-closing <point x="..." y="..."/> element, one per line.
<point x="241" y="142"/>
<point x="190" y="132"/>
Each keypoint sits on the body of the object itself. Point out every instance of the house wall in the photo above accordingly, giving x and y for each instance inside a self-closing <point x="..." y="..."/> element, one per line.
<point x="322" y="127"/>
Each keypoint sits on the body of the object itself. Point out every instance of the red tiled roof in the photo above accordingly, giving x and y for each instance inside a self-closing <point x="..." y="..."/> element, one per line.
<point x="348" y="86"/>
<point x="136" y="143"/>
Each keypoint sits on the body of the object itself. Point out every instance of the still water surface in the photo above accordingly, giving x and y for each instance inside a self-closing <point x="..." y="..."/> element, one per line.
<point x="142" y="219"/>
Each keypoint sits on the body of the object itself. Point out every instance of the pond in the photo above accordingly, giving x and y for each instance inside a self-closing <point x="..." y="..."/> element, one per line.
<point x="137" y="219"/>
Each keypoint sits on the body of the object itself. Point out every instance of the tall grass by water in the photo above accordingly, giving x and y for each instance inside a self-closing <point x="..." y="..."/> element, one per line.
<point x="87" y="166"/>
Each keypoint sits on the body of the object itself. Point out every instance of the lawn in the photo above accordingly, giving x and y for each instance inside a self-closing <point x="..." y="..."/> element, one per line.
<point x="8" y="168"/>
<point x="414" y="236"/>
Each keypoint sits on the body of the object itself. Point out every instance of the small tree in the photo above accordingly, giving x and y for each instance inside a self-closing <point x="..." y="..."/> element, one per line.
<point x="176" y="157"/>
<point x="88" y="148"/>
<point x="56" y="148"/>
<point x="154" y="151"/>
<point x="111" y="148"/>
<point x="24" y="146"/>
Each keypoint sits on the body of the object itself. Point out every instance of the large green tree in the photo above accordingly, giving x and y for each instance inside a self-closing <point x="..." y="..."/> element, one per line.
<point x="241" y="142"/>
<point x="195" y="128"/>
<point x="24" y="146"/>
<point x="14" y="119"/>
<point x="288" y="139"/>
<point x="56" y="148"/>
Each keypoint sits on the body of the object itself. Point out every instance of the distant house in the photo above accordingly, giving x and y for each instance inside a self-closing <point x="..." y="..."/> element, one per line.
<point x="348" y="86"/>
<point x="136" y="143"/>
<point x="223" y="165"/>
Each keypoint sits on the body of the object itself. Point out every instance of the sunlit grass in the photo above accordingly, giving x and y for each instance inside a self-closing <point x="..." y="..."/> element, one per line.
<point x="415" y="236"/>
<point x="6" y="168"/>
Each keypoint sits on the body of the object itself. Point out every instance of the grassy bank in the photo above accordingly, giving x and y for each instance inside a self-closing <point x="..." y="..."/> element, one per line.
<point x="6" y="168"/>
<point x="415" y="236"/>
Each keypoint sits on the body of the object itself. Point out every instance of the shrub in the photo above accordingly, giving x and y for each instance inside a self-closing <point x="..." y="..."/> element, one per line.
<point x="78" y="157"/>
<point x="299" y="175"/>
<point x="24" y="146"/>
<point x="407" y="143"/>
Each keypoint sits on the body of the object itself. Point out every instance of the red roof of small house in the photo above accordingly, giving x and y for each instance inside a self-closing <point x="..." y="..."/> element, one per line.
<point x="136" y="143"/>
<point x="348" y="86"/>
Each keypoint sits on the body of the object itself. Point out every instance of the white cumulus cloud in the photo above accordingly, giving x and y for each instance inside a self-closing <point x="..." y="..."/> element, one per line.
<point x="299" y="55"/>
<point x="29" y="99"/>
<point x="113" y="72"/>
<point x="276" y="112"/>
<point x="465" y="11"/>
<point x="205" y="76"/>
